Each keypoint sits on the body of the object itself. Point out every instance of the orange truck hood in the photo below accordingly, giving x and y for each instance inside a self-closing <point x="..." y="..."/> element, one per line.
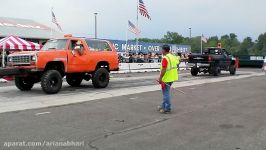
<point x="24" y="53"/>
<point x="28" y="53"/>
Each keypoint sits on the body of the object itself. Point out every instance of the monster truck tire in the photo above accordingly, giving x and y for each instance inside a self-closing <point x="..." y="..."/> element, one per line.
<point x="194" y="71"/>
<point x="24" y="84"/>
<point x="232" y="70"/>
<point x="51" y="81"/>
<point x="101" y="78"/>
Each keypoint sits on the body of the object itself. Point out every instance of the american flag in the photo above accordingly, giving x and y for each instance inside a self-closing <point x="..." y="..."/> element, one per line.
<point x="204" y="39"/>
<point x="142" y="9"/>
<point x="132" y="28"/>
<point x="55" y="21"/>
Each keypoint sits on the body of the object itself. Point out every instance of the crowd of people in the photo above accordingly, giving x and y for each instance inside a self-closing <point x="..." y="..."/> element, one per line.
<point x="146" y="57"/>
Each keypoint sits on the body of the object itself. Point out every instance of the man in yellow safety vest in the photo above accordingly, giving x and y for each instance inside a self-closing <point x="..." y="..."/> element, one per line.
<point x="168" y="74"/>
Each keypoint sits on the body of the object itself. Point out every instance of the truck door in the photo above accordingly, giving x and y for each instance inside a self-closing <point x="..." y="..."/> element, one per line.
<point x="226" y="58"/>
<point x="77" y="56"/>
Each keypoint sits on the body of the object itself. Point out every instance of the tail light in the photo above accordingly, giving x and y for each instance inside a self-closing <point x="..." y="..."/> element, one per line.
<point x="209" y="58"/>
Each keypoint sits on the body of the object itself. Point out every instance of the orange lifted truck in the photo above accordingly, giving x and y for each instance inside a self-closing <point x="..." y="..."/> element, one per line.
<point x="76" y="58"/>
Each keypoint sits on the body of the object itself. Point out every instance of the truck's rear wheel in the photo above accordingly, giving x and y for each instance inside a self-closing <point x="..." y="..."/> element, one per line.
<point x="216" y="71"/>
<point x="101" y="78"/>
<point x="51" y="82"/>
<point x="74" y="79"/>
<point x="24" y="84"/>
<point x="232" y="70"/>
<point x="194" y="71"/>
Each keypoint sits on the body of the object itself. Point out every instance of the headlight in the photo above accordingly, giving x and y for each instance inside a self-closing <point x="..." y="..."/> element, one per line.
<point x="9" y="59"/>
<point x="33" y="58"/>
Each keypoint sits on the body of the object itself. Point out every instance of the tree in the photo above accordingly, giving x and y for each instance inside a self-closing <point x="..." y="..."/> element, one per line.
<point x="259" y="47"/>
<point x="229" y="42"/>
<point x="245" y="46"/>
<point x="173" y="38"/>
<point x="213" y="41"/>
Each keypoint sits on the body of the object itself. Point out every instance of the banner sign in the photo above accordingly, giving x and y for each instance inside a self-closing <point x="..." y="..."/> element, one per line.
<point x="143" y="47"/>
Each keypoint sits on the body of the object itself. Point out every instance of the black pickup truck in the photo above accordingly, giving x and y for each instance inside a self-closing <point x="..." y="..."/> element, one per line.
<point x="212" y="61"/>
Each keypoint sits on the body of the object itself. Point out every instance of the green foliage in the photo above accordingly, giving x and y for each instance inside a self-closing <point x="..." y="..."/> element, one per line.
<point x="245" y="46"/>
<point x="173" y="38"/>
<point x="230" y="42"/>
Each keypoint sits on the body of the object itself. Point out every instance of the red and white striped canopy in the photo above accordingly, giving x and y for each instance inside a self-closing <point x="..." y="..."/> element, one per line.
<point x="14" y="43"/>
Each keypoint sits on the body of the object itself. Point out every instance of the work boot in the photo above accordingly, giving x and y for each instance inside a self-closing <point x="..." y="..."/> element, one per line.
<point x="159" y="108"/>
<point x="162" y="111"/>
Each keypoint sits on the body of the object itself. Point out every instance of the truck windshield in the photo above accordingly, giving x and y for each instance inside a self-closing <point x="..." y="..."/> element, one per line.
<point x="54" y="44"/>
<point x="213" y="51"/>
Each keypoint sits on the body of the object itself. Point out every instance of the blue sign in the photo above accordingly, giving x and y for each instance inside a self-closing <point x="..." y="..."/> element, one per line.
<point x="130" y="46"/>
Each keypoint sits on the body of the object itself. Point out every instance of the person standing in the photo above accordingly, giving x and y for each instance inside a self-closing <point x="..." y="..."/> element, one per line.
<point x="168" y="75"/>
<point x="264" y="65"/>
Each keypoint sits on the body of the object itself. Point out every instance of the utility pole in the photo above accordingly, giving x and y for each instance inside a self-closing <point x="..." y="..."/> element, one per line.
<point x="190" y="32"/>
<point x="190" y="40"/>
<point x="95" y="25"/>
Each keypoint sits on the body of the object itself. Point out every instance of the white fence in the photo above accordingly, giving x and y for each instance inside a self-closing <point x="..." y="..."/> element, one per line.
<point x="143" y="67"/>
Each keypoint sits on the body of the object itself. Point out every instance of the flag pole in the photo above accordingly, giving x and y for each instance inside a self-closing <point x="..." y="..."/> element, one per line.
<point x="201" y="45"/>
<point x="3" y="56"/>
<point x="137" y="35"/>
<point x="51" y="24"/>
<point x="126" y="37"/>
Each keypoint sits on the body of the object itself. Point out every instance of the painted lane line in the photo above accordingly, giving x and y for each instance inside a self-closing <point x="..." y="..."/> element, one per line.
<point x="42" y="113"/>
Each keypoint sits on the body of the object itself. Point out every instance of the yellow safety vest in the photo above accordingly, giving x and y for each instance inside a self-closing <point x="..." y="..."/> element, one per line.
<point x="171" y="74"/>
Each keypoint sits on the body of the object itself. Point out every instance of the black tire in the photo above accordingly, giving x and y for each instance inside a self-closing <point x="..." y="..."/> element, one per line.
<point x="51" y="82"/>
<point x="194" y="71"/>
<point x="24" y="84"/>
<point x="101" y="78"/>
<point x="232" y="70"/>
<point x="74" y="79"/>
<point x="216" y="71"/>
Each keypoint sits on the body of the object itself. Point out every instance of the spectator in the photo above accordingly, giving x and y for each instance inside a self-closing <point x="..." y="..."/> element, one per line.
<point x="160" y="58"/>
<point x="1" y="59"/>
<point x="150" y="58"/>
<point x="6" y="54"/>
<point x="264" y="65"/>
<point x="131" y="59"/>
<point x="139" y="59"/>
<point x="156" y="58"/>
<point x="146" y="59"/>
<point x="134" y="58"/>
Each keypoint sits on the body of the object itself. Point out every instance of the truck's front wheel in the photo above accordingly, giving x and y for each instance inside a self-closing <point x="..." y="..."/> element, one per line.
<point x="74" y="79"/>
<point x="24" y="84"/>
<point x="101" y="78"/>
<point x="51" y="82"/>
<point x="232" y="70"/>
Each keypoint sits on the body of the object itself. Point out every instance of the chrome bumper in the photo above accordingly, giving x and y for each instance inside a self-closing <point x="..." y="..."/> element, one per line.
<point x="198" y="65"/>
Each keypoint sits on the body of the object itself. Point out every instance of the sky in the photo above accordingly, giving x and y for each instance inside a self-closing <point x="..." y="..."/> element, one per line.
<point x="208" y="17"/>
